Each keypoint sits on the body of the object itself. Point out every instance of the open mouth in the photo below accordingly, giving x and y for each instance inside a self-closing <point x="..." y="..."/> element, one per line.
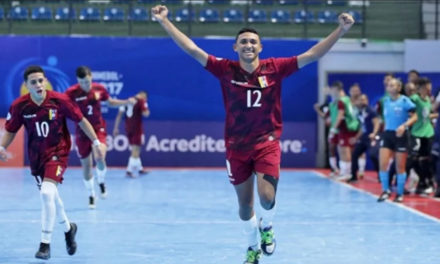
<point x="40" y="91"/>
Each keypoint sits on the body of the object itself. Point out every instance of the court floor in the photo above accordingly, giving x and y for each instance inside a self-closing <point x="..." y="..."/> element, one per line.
<point x="190" y="216"/>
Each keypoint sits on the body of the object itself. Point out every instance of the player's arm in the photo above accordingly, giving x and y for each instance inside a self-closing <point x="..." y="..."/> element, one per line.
<point x="407" y="124"/>
<point x="376" y="126"/>
<point x="318" y="110"/>
<point x="339" y="119"/>
<point x="118" y="102"/>
<point x="90" y="133"/>
<point x="160" y="12"/>
<point x="117" y="122"/>
<point x="7" y="139"/>
<point x="321" y="48"/>
<point x="146" y="113"/>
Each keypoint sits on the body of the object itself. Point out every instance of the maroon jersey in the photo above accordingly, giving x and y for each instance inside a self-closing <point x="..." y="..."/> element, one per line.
<point x="252" y="100"/>
<point x="48" y="136"/>
<point x="90" y="105"/>
<point x="133" y="116"/>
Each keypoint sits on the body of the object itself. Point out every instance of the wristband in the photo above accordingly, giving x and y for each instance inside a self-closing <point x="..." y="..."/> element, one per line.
<point x="96" y="142"/>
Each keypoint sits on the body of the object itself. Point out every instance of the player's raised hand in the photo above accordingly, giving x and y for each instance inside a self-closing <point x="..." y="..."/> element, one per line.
<point x="159" y="12"/>
<point x="132" y="101"/>
<point x="345" y="21"/>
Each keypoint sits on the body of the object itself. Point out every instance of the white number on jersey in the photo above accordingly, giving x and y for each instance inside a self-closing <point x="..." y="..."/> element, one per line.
<point x="42" y="129"/>
<point x="90" y="112"/>
<point x="253" y="98"/>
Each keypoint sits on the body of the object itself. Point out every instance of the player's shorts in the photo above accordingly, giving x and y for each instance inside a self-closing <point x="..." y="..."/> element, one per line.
<point x="135" y="138"/>
<point x="347" y="138"/>
<point x="390" y="141"/>
<point x="84" y="144"/>
<point x="334" y="139"/>
<point x="53" y="170"/>
<point x="242" y="164"/>
<point x="421" y="146"/>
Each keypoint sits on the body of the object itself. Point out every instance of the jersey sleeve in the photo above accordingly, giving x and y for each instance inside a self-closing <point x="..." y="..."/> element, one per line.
<point x="104" y="93"/>
<point x="13" y="119"/>
<point x="70" y="109"/>
<point x="341" y="105"/>
<point x="216" y="66"/>
<point x="409" y="105"/>
<point x="286" y="66"/>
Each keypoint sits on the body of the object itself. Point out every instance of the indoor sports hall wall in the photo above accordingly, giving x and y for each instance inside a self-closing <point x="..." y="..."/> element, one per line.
<point x="186" y="123"/>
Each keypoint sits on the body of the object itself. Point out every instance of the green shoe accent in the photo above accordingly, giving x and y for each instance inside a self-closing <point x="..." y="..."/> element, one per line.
<point x="267" y="237"/>
<point x="252" y="256"/>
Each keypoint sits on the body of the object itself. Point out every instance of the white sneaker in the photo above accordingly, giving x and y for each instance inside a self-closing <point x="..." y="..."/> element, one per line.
<point x="92" y="203"/>
<point x="413" y="181"/>
<point x="345" y="177"/>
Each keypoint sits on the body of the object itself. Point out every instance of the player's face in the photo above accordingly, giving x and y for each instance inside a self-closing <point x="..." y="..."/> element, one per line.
<point x="85" y="83"/>
<point x="334" y="92"/>
<point x="362" y="101"/>
<point x="355" y="91"/>
<point x="412" y="77"/>
<point x="410" y="89"/>
<point x="426" y="89"/>
<point x="248" y="46"/>
<point x="386" y="79"/>
<point x="36" y="84"/>
<point x="393" y="87"/>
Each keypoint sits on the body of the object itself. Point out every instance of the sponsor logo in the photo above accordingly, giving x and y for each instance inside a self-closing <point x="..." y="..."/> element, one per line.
<point x="200" y="143"/>
<point x="82" y="98"/>
<point x="30" y="116"/>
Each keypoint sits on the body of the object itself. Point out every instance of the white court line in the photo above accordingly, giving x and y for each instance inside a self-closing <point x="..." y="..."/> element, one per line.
<point x="412" y="210"/>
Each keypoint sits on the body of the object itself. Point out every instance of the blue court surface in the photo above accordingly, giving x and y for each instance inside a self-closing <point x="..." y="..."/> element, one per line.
<point x="190" y="216"/>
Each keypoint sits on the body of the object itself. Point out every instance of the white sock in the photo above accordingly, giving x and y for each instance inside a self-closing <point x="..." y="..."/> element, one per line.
<point x="333" y="163"/>
<point x="267" y="217"/>
<point x="251" y="231"/>
<point x="61" y="213"/>
<point x="362" y="162"/>
<point x="90" y="186"/>
<point x="345" y="167"/>
<point x="131" y="164"/>
<point x="139" y="164"/>
<point x="101" y="174"/>
<point x="48" y="212"/>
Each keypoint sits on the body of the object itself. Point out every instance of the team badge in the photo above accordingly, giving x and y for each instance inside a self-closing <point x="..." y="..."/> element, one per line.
<point x="52" y="114"/>
<point x="263" y="81"/>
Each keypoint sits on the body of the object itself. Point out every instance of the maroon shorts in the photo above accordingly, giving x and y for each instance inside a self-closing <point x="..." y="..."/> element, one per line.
<point x="347" y="138"/>
<point x="135" y="138"/>
<point x="84" y="145"/>
<point x="54" y="170"/>
<point x="242" y="164"/>
<point x="334" y="140"/>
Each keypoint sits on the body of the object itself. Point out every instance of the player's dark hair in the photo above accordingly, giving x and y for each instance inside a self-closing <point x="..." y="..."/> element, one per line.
<point x="83" y="71"/>
<point x="389" y="74"/>
<point x="244" y="30"/>
<point x="338" y="84"/>
<point x="32" y="69"/>
<point x="422" y="82"/>
<point x="414" y="71"/>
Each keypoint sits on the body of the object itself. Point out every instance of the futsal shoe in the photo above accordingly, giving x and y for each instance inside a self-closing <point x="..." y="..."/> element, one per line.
<point x="343" y="177"/>
<point x="252" y="256"/>
<point x="103" y="190"/>
<point x="143" y="172"/>
<point x="384" y="196"/>
<point x="43" y="252"/>
<point x="129" y="174"/>
<point x="70" y="239"/>
<point x="398" y="199"/>
<point x="268" y="242"/>
<point x="92" y="204"/>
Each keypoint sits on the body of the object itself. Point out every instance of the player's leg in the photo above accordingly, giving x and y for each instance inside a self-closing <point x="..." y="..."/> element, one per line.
<point x="101" y="171"/>
<point x="240" y="174"/>
<point x="362" y="163"/>
<point x="424" y="162"/>
<point x="401" y="157"/>
<point x="70" y="229"/>
<point x="359" y="149"/>
<point x="135" y="162"/>
<point x="344" y="161"/>
<point x="89" y="181"/>
<point x="385" y="155"/>
<point x="333" y="160"/>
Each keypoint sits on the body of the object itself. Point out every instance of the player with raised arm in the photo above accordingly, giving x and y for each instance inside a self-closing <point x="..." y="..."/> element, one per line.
<point x="134" y="130"/>
<point x="398" y="116"/>
<point x="43" y="114"/>
<point x="88" y="96"/>
<point x="251" y="92"/>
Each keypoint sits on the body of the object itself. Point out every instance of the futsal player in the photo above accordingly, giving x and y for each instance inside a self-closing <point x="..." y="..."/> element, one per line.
<point x="344" y="126"/>
<point x="369" y="127"/>
<point x="133" y="128"/>
<point x="88" y="96"/>
<point x="398" y="114"/>
<point x="422" y="134"/>
<point x="43" y="114"/>
<point x="251" y="92"/>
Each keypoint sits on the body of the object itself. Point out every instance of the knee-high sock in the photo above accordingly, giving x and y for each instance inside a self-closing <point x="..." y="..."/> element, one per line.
<point x="138" y="163"/>
<point x="267" y="216"/>
<point x="345" y="167"/>
<point x="401" y="179"/>
<point x="384" y="180"/>
<point x="61" y="213"/>
<point x="48" y="213"/>
<point x="101" y="174"/>
<point x="90" y="186"/>
<point x="362" y="162"/>
<point x="131" y="164"/>
<point x="333" y="163"/>
<point x="250" y="228"/>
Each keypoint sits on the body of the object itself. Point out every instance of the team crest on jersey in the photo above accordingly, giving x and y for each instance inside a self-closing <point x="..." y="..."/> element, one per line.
<point x="52" y="114"/>
<point x="263" y="81"/>
<point x="97" y="96"/>
<point x="8" y="117"/>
